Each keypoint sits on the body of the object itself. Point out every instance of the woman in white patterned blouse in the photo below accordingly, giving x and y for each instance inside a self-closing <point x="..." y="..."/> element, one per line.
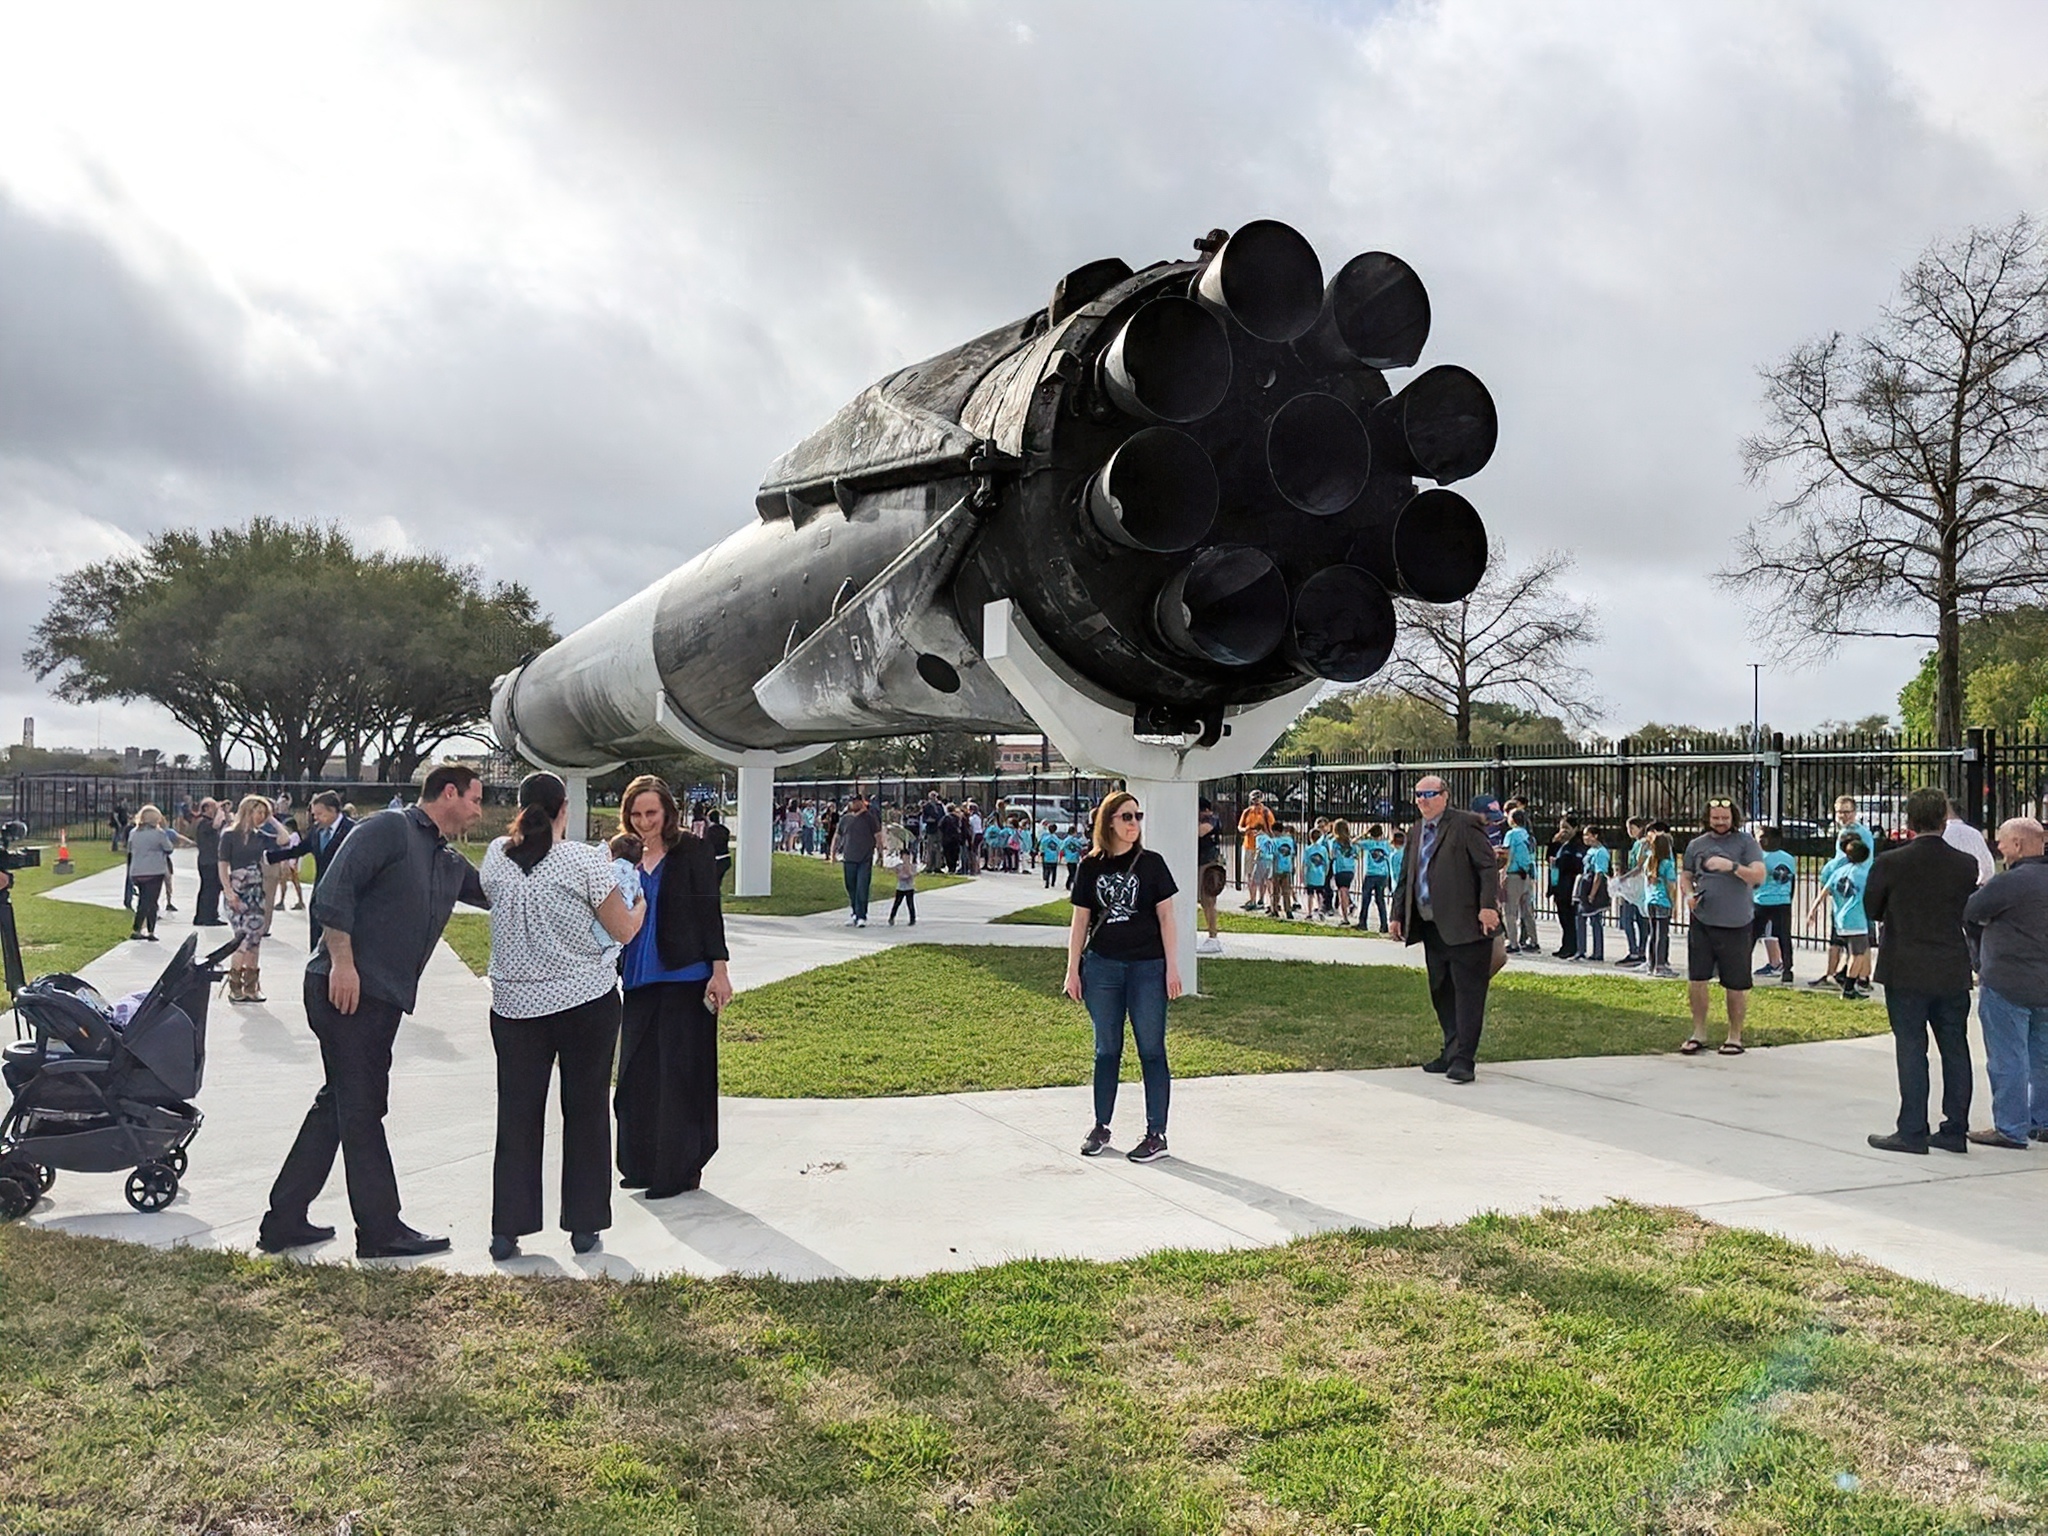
<point x="554" y="1000"/>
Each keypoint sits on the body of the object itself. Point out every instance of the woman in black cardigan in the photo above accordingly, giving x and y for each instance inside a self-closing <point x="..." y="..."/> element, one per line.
<point x="675" y="976"/>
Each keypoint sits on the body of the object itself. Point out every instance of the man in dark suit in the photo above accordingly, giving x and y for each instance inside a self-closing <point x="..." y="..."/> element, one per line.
<point x="1448" y="902"/>
<point x="1917" y="891"/>
<point x="330" y="828"/>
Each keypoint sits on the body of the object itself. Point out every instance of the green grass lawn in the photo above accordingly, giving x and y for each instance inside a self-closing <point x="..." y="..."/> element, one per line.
<point x="1619" y="1372"/>
<point x="69" y="935"/>
<point x="1058" y="914"/>
<point x="802" y="886"/>
<point x="945" y="1019"/>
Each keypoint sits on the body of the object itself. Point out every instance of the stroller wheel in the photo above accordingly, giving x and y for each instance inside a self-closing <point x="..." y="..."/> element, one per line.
<point x="45" y="1176"/>
<point x="16" y="1200"/>
<point x="152" y="1187"/>
<point x="31" y="1175"/>
<point x="177" y="1161"/>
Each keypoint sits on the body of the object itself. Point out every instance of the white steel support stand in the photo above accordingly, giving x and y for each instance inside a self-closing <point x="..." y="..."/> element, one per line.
<point x="754" y="837"/>
<point x="579" y="806"/>
<point x="1094" y="732"/>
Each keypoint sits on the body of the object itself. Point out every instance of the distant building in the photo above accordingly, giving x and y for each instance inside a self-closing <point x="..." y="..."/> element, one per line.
<point x="1028" y="754"/>
<point x="28" y="732"/>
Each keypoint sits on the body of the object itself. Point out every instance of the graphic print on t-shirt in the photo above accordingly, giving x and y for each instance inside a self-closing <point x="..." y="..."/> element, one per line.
<point x="1118" y="895"/>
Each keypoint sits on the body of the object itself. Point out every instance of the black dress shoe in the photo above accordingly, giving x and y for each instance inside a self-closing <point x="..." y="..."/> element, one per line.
<point x="503" y="1247"/>
<point x="1892" y="1141"/>
<point x="1950" y="1141"/>
<point x="1458" y="1074"/>
<point x="277" y="1236"/>
<point x="402" y="1244"/>
<point x="583" y="1242"/>
<point x="1441" y="1064"/>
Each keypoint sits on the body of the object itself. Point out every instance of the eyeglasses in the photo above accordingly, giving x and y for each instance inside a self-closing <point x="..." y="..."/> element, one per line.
<point x="1429" y="794"/>
<point x="1129" y="816"/>
<point x="1720" y="805"/>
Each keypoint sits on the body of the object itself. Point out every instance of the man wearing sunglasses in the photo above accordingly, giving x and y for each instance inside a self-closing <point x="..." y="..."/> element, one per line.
<point x="1717" y="881"/>
<point x="1448" y="902"/>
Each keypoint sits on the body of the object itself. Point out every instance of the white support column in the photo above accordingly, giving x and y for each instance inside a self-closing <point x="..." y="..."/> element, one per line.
<point x="754" y="856"/>
<point x="1095" y="732"/>
<point x="579" y="806"/>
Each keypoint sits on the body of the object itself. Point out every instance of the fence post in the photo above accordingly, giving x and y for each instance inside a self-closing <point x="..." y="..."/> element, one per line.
<point x="1500" y="770"/>
<point x="1776" y="763"/>
<point x="1977" y="777"/>
<point x="1624" y="779"/>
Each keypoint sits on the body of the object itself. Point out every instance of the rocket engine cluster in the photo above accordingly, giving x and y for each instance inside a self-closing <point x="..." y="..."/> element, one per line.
<point x="1193" y="480"/>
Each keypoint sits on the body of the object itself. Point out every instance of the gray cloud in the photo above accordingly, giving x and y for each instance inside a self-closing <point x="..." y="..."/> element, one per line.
<point x="1621" y="214"/>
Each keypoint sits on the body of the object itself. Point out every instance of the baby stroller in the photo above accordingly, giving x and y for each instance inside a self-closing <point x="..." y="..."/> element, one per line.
<point x="95" y="1096"/>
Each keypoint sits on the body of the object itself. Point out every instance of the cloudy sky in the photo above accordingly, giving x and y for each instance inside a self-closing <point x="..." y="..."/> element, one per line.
<point x="547" y="286"/>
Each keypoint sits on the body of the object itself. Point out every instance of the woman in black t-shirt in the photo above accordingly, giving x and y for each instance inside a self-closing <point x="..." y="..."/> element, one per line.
<point x="1120" y="964"/>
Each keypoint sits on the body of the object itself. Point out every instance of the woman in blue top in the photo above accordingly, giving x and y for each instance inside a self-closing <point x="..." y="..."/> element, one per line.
<point x="1376" y="858"/>
<point x="676" y="983"/>
<point x="1773" y="918"/>
<point x="1660" y="874"/>
<point x="1842" y="880"/>
<point x="1592" y="899"/>
<point x="1343" y="867"/>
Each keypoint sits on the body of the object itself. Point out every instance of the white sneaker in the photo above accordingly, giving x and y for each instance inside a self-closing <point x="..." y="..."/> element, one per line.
<point x="1209" y="947"/>
<point x="860" y="922"/>
<point x="853" y="922"/>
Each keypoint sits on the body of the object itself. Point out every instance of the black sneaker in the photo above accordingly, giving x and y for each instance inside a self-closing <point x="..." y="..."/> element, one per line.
<point x="1097" y="1142"/>
<point x="1440" y="1065"/>
<point x="1151" y="1149"/>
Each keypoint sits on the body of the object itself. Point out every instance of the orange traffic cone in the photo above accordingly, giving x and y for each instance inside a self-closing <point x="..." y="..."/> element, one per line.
<point x="63" y="851"/>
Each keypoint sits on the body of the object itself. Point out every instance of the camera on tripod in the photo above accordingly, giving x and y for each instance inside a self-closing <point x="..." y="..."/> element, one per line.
<point x="11" y="857"/>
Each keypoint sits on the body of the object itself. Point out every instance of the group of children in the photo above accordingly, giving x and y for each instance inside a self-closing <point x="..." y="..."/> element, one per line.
<point x="1313" y="877"/>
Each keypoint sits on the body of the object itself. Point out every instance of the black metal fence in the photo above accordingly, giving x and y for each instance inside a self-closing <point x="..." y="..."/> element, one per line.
<point x="84" y="804"/>
<point x="1791" y="783"/>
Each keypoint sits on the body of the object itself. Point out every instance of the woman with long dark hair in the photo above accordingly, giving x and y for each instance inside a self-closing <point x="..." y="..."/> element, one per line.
<point x="554" y="1003"/>
<point x="1121" y="965"/>
<point x="676" y="981"/>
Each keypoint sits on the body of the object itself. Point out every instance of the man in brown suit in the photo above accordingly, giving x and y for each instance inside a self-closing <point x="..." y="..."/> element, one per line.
<point x="1448" y="902"/>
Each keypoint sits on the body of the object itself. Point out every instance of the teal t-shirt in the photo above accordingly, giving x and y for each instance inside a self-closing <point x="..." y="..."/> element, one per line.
<point x="1315" y="864"/>
<point x="1521" y="849"/>
<point x="1049" y="846"/>
<point x="1343" y="861"/>
<point x="1599" y="861"/>
<point x="1844" y="883"/>
<point x="1379" y="857"/>
<point x="1283" y="855"/>
<point x="1659" y="892"/>
<point x="1394" y="857"/>
<point x="1780" y="870"/>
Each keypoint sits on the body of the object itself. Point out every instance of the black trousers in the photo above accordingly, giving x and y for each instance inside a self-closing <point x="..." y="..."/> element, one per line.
<point x="904" y="899"/>
<point x="147" y="889"/>
<point x="347" y="1117"/>
<point x="667" y="1097"/>
<point x="1568" y="915"/>
<point x="1459" y="975"/>
<point x="206" y="907"/>
<point x="1913" y="1015"/>
<point x="581" y="1040"/>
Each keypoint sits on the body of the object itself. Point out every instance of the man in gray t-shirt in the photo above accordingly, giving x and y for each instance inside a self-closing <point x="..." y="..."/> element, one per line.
<point x="859" y="831"/>
<point x="1718" y="878"/>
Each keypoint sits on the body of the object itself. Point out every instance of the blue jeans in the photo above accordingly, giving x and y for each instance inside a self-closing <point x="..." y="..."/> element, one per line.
<point x="1635" y="929"/>
<point x="1112" y="990"/>
<point x="859" y="874"/>
<point x="1946" y="1016"/>
<point x="2016" y="1061"/>
<point x="1373" y="892"/>
<point x="1593" y="934"/>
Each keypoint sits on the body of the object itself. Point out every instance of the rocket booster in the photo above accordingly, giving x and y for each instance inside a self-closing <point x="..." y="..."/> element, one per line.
<point x="1193" y="480"/>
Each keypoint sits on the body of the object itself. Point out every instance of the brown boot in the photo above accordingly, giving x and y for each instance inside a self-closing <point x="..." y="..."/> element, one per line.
<point x="234" y="985"/>
<point x="252" y="990"/>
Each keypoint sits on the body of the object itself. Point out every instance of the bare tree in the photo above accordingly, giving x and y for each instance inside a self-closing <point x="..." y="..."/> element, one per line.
<point x="1510" y="641"/>
<point x="1914" y="464"/>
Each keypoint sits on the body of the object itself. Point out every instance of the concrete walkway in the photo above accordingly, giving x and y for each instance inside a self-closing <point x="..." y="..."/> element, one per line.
<point x="808" y="1188"/>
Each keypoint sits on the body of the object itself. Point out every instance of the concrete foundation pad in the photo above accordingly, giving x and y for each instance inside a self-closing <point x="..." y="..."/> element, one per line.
<point x="1773" y="1140"/>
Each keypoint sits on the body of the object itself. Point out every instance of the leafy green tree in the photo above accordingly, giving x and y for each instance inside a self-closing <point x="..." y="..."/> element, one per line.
<point x="283" y="641"/>
<point x="2004" y="664"/>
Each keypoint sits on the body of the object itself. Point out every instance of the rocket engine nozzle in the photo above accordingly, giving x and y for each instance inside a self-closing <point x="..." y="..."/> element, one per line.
<point x="1157" y="492"/>
<point x="1227" y="605"/>
<point x="1265" y="277"/>
<point x="1170" y="362"/>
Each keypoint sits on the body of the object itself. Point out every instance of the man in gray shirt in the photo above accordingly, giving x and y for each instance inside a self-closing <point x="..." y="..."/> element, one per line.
<point x="2008" y="919"/>
<point x="859" y="830"/>
<point x="381" y="905"/>
<point x="1721" y="870"/>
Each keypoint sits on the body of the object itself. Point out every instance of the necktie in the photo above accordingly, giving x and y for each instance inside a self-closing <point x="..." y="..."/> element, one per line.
<point x="1428" y="845"/>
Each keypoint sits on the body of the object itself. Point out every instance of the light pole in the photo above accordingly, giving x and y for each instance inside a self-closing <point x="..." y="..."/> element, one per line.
<point x="1756" y="735"/>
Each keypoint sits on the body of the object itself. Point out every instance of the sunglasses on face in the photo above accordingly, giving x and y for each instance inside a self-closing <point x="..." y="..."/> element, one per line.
<point x="1429" y="794"/>
<point x="1129" y="816"/>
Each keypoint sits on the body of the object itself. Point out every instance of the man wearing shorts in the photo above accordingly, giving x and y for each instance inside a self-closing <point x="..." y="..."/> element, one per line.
<point x="1718" y="878"/>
